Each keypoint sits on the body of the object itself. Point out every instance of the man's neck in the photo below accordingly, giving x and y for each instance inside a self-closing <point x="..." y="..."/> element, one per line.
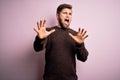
<point x="61" y="26"/>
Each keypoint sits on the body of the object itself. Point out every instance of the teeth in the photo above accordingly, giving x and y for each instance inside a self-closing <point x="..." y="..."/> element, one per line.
<point x="67" y="20"/>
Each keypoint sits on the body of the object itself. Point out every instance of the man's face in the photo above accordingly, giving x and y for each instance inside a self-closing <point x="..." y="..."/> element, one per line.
<point x="65" y="17"/>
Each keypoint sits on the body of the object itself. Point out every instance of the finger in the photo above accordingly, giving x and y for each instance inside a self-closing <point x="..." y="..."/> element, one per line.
<point x="79" y="30"/>
<point x="84" y="33"/>
<point x="85" y="36"/>
<point x="38" y="25"/>
<point x="44" y="23"/>
<point x="35" y="30"/>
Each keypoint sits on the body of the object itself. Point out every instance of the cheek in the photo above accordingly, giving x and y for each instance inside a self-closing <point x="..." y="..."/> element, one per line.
<point x="70" y="18"/>
<point x="62" y="18"/>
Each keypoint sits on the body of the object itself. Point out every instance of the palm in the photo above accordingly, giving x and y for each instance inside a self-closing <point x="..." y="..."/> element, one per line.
<point x="80" y="37"/>
<point x="41" y="31"/>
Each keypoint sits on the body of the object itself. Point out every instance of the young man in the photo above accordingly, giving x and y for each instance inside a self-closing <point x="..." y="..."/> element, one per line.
<point x="62" y="44"/>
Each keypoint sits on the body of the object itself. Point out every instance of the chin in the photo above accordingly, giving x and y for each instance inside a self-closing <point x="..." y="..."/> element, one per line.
<point x="66" y="26"/>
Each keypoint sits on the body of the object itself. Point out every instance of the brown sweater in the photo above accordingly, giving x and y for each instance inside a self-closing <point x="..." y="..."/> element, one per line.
<point x="60" y="54"/>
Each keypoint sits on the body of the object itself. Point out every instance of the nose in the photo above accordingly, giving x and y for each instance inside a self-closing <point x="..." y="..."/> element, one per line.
<point x="67" y="15"/>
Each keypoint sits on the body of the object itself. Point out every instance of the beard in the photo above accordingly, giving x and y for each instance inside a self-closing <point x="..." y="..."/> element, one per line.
<point x="61" y="24"/>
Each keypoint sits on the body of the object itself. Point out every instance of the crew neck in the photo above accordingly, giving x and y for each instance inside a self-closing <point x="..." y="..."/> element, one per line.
<point x="62" y="28"/>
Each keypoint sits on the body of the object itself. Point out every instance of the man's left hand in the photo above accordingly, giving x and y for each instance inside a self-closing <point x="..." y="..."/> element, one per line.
<point x="80" y="37"/>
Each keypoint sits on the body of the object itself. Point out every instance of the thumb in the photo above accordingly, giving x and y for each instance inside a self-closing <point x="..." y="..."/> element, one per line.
<point x="51" y="31"/>
<point x="72" y="35"/>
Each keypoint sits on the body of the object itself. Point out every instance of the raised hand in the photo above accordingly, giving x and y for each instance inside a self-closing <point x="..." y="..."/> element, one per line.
<point x="41" y="30"/>
<point x="80" y="37"/>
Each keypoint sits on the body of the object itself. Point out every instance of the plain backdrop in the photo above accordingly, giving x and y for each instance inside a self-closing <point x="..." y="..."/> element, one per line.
<point x="101" y="19"/>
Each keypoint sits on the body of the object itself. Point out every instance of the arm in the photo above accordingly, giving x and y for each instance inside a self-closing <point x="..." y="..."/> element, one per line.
<point x="82" y="52"/>
<point x="39" y="44"/>
<point x="42" y="33"/>
<point x="79" y="38"/>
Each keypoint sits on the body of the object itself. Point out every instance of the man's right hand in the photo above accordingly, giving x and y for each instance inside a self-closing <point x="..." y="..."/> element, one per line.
<point x="41" y="30"/>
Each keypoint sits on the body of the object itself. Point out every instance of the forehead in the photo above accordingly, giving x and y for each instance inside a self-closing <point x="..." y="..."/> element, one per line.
<point x="67" y="10"/>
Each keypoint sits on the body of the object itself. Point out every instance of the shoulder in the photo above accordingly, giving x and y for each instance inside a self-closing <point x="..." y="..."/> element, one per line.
<point x="72" y="31"/>
<point x="50" y="28"/>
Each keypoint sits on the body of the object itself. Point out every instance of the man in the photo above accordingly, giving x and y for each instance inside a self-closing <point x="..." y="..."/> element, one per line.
<point x="62" y="44"/>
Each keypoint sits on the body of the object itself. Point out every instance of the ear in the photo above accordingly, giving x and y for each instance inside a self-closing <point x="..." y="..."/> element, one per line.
<point x="57" y="15"/>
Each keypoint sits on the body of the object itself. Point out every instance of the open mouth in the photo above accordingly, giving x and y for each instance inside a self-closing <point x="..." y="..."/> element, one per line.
<point x="67" y="21"/>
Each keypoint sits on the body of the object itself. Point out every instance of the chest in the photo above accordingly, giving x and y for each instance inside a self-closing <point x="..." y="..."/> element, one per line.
<point x="61" y="38"/>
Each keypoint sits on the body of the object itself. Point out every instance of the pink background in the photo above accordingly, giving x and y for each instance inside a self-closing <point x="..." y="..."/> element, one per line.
<point x="101" y="18"/>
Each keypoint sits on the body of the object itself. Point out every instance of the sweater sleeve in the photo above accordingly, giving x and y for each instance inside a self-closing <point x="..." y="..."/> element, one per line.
<point x="39" y="44"/>
<point x="82" y="52"/>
